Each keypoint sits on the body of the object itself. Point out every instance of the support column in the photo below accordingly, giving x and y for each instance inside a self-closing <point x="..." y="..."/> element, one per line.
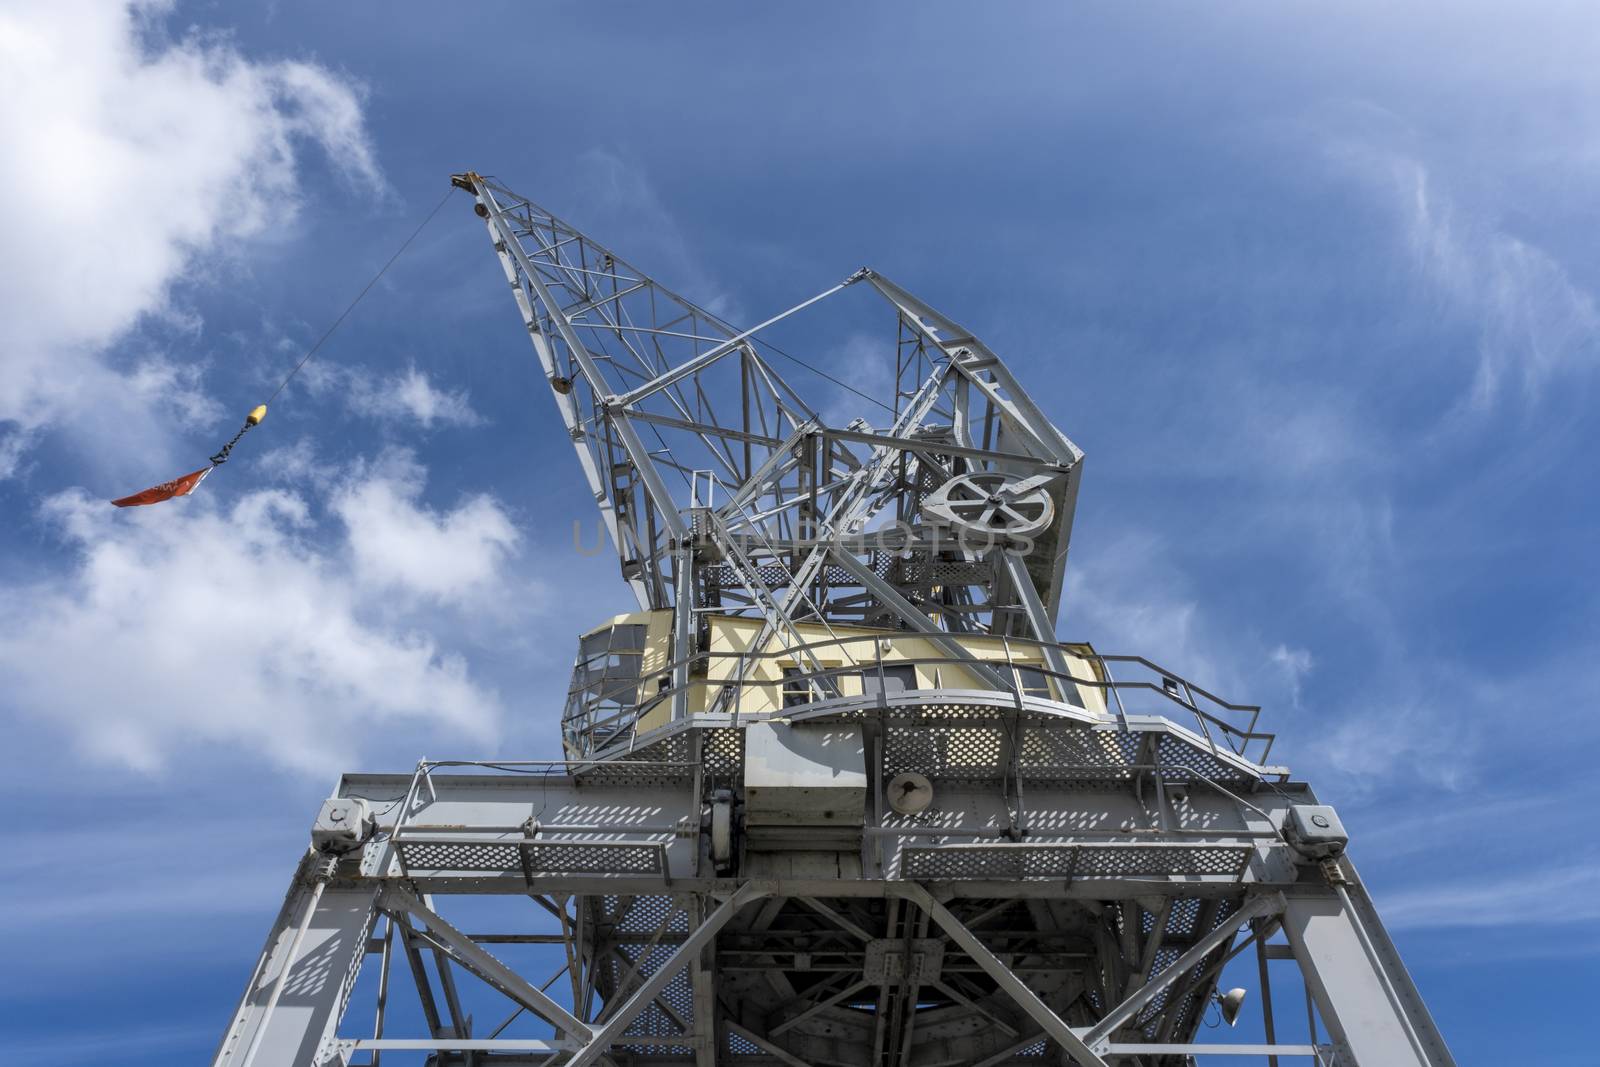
<point x="1363" y="998"/>
<point x="293" y="1002"/>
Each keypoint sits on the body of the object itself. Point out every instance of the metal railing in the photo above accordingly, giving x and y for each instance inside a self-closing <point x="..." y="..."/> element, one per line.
<point x="600" y="720"/>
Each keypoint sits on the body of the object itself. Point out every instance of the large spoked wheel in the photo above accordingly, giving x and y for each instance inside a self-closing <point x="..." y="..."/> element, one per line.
<point x="992" y="505"/>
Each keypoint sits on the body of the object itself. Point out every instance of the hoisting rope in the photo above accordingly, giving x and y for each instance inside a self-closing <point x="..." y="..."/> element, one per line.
<point x="187" y="484"/>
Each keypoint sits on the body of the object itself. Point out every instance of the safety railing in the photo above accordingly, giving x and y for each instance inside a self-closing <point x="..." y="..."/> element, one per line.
<point x="738" y="681"/>
<point x="597" y="848"/>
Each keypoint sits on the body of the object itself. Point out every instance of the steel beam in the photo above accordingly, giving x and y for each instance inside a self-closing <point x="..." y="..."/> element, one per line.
<point x="1014" y="987"/>
<point x="1360" y="990"/>
<point x="601" y="1040"/>
<point x="291" y="1008"/>
<point x="1133" y="1048"/>
<point x="472" y="956"/>
<point x="910" y="614"/>
<point x="1257" y="907"/>
<point x="771" y="1048"/>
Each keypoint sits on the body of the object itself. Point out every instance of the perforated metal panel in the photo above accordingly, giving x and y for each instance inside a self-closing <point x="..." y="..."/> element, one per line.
<point x="1066" y="751"/>
<point x="1012" y="861"/>
<point x="673" y="1020"/>
<point x="1117" y="861"/>
<point x="555" y="857"/>
<point x="459" y="856"/>
<point x="580" y="857"/>
<point x="970" y="751"/>
<point x="644" y="915"/>
<point x="1166" y="956"/>
<point x="665" y="760"/>
<point x="739" y="1046"/>
<point x="722" y="752"/>
<point x="1182" y="917"/>
<point x="1177" y="755"/>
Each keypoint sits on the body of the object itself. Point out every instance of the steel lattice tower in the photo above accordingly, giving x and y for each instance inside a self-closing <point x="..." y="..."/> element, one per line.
<point x="835" y="794"/>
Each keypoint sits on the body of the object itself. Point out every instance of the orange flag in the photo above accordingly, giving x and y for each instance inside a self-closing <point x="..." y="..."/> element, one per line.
<point x="166" y="490"/>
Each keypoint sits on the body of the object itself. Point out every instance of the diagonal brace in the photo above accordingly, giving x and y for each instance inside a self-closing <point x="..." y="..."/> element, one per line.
<point x="602" y="1039"/>
<point x="1014" y="987"/>
<point x="471" y="955"/>
<point x="770" y="1047"/>
<point x="1267" y="904"/>
<point x="910" y="613"/>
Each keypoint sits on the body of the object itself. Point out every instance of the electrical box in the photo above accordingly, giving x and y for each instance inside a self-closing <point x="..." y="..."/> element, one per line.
<point x="342" y="824"/>
<point x="1315" y="831"/>
<point x="809" y="774"/>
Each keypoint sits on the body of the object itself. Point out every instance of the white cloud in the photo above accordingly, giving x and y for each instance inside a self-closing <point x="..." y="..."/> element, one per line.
<point x="1532" y="319"/>
<point x="1557" y="896"/>
<point x="190" y="624"/>
<point x="1295" y="663"/>
<point x="288" y="464"/>
<point x="13" y="446"/>
<point x="412" y="394"/>
<point x="1129" y="599"/>
<point x="396" y="544"/>
<point x="129" y="159"/>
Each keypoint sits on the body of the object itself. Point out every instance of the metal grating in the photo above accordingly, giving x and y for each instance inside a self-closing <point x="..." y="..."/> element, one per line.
<point x="670" y="1014"/>
<point x="583" y="857"/>
<point x="552" y="857"/>
<point x="643" y="915"/>
<point x="1069" y="751"/>
<point x="1176" y="755"/>
<point x="965" y="752"/>
<point x="1000" y="862"/>
<point x="1009" y="862"/>
<point x="1117" y="861"/>
<point x="460" y="856"/>
<point x="665" y="760"/>
<point x="1166" y="956"/>
<point x="722" y="752"/>
<point x="1182" y="918"/>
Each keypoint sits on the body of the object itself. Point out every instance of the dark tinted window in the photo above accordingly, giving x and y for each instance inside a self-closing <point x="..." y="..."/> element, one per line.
<point x="1034" y="682"/>
<point x="795" y="689"/>
<point x="896" y="679"/>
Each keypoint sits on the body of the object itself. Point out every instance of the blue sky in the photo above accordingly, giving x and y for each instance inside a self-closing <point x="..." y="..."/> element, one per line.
<point x="1314" y="288"/>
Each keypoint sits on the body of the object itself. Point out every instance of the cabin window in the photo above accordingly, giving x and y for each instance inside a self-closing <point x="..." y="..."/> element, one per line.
<point x="605" y="680"/>
<point x="1034" y="683"/>
<point x="796" y="690"/>
<point x="897" y="678"/>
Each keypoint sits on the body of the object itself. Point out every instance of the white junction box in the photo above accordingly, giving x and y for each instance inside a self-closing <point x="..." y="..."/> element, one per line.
<point x="1315" y="831"/>
<point x="343" y="823"/>
<point x="805" y="774"/>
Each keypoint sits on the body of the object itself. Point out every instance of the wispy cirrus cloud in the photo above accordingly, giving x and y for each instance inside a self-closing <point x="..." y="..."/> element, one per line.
<point x="1542" y="896"/>
<point x="1532" y="318"/>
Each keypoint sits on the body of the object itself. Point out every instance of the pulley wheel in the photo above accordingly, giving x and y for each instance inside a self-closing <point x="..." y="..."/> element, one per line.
<point x="993" y="504"/>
